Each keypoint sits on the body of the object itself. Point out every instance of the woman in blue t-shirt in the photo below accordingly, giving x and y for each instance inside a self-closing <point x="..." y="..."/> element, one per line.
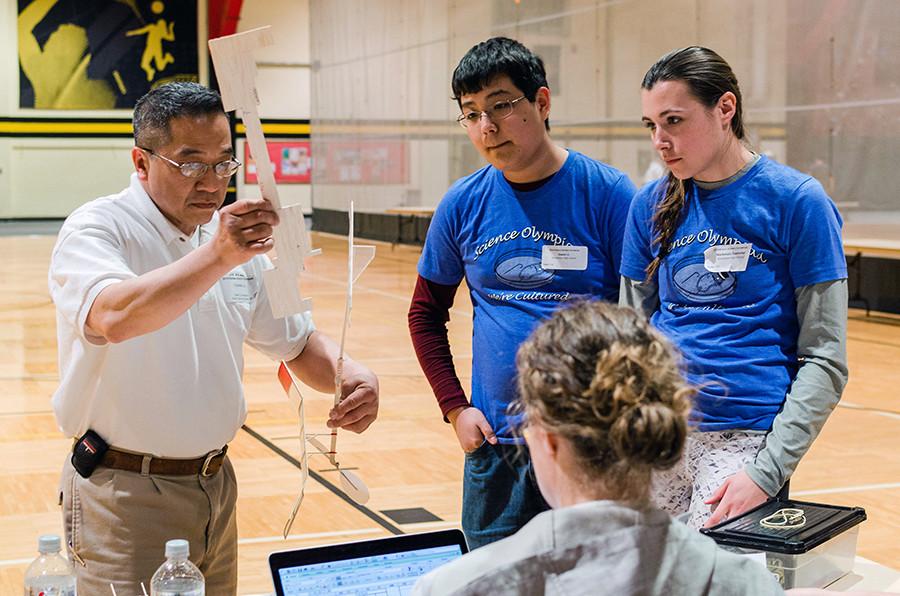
<point x="738" y="259"/>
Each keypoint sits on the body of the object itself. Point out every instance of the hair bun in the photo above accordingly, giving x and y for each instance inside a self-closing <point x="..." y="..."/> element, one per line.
<point x="649" y="433"/>
<point x="601" y="377"/>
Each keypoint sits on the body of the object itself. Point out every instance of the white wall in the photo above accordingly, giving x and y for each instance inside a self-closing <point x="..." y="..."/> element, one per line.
<point x="398" y="65"/>
<point x="283" y="78"/>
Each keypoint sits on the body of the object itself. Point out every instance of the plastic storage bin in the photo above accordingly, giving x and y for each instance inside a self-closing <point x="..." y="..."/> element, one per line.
<point x="813" y="555"/>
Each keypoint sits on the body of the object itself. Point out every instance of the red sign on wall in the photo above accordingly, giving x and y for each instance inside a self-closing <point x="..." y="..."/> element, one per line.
<point x="291" y="162"/>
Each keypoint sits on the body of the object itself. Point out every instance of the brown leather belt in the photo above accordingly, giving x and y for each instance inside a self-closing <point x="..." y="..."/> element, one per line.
<point x="208" y="465"/>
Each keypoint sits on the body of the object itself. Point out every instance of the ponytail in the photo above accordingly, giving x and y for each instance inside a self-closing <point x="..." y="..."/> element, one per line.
<point x="666" y="219"/>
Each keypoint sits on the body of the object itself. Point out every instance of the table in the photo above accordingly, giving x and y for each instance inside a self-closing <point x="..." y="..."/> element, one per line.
<point x="409" y="216"/>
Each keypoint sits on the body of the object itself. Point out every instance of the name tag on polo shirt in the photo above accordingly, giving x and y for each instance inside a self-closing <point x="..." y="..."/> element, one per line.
<point x="239" y="286"/>
<point x="572" y="258"/>
<point x="727" y="257"/>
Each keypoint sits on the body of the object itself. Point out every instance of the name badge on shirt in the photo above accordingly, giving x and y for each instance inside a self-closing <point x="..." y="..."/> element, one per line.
<point x="572" y="258"/>
<point x="238" y="286"/>
<point x="727" y="257"/>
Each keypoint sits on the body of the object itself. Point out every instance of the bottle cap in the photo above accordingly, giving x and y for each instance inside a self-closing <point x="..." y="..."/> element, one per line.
<point x="177" y="548"/>
<point x="49" y="543"/>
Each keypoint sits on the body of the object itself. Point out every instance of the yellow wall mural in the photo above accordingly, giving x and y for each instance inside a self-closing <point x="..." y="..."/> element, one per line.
<point x="102" y="54"/>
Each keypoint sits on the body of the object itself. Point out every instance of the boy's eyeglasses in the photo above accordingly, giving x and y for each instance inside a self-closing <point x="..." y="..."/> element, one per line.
<point x="499" y="111"/>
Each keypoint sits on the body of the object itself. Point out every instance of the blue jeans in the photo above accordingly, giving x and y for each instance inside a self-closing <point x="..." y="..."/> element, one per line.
<point x="500" y="494"/>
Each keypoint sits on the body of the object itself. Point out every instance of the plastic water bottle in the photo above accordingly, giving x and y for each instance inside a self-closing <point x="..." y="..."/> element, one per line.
<point x="50" y="574"/>
<point x="177" y="576"/>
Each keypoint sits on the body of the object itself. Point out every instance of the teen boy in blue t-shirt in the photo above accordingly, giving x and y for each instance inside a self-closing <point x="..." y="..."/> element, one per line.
<point x="537" y="227"/>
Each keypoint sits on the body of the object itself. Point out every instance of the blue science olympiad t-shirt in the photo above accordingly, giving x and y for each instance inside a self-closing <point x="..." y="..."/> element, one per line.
<point x="738" y="329"/>
<point x="495" y="237"/>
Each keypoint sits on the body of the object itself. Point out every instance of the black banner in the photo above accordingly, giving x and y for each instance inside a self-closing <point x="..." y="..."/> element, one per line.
<point x="102" y="54"/>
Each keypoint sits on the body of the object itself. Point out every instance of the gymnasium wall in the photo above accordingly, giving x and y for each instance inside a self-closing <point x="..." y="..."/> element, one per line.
<point x="821" y="81"/>
<point x="283" y="79"/>
<point x="44" y="174"/>
<point x="821" y="84"/>
<point x="398" y="74"/>
<point x="47" y="170"/>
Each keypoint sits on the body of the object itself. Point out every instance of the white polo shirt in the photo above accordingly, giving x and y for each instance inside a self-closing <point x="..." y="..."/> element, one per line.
<point x="175" y="392"/>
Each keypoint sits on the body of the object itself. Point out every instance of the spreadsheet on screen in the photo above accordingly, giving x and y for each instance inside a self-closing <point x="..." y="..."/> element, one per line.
<point x="390" y="574"/>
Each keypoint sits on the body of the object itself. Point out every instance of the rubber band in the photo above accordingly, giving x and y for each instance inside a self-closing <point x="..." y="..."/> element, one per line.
<point x="784" y="519"/>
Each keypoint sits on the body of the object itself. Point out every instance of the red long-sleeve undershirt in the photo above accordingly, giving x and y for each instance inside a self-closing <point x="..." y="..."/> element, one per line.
<point x="428" y="315"/>
<point x="429" y="312"/>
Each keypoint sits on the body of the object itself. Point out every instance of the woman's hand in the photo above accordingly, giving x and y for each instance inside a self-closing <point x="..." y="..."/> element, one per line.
<point x="736" y="495"/>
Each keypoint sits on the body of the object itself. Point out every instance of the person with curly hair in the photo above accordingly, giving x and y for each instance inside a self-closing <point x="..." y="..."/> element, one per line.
<point x="605" y="405"/>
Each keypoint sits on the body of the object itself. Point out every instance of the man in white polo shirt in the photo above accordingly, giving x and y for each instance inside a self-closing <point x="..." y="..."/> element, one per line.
<point x="156" y="292"/>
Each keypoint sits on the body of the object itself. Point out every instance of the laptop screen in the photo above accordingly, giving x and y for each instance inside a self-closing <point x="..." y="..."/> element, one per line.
<point x="383" y="566"/>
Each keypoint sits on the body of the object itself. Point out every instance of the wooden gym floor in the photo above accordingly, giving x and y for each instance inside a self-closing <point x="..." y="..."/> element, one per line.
<point x="409" y="458"/>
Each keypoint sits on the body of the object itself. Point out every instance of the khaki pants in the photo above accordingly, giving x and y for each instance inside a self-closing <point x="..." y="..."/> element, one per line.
<point x="118" y="523"/>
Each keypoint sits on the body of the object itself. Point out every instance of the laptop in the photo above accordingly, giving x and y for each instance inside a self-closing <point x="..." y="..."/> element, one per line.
<point x="381" y="566"/>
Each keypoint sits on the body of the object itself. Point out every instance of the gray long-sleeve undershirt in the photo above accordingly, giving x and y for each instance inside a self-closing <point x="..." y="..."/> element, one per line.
<point x="816" y="388"/>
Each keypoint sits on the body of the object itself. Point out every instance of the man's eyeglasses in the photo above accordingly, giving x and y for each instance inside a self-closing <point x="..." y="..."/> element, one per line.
<point x="499" y="111"/>
<point x="197" y="169"/>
